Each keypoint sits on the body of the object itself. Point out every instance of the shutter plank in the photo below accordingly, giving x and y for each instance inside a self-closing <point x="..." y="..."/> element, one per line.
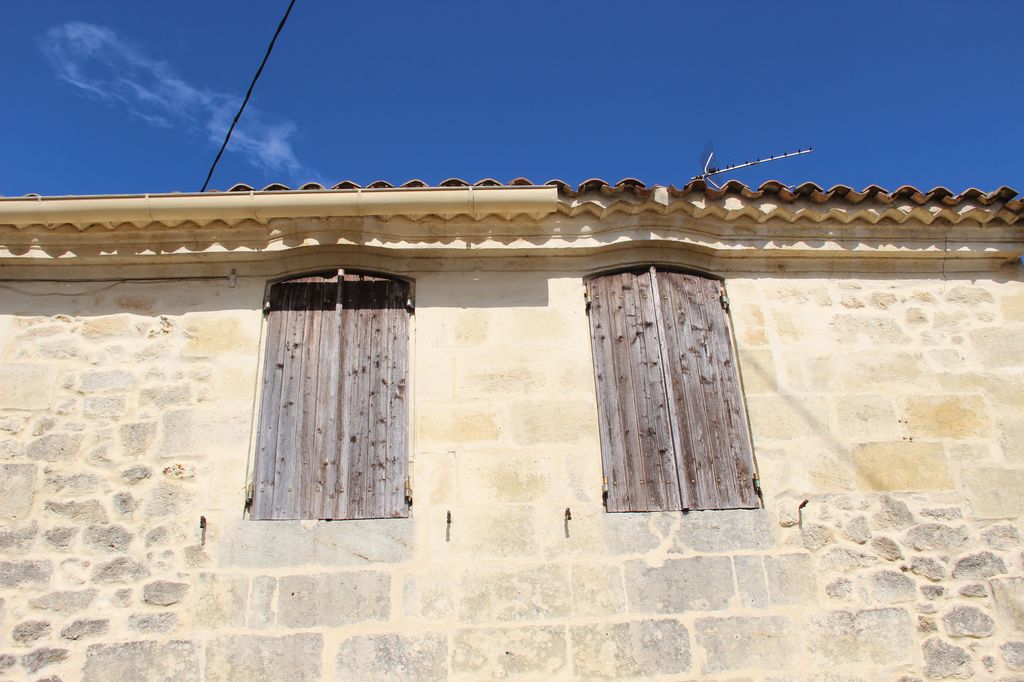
<point x="377" y="377"/>
<point x="396" y="409"/>
<point x="270" y="407"/>
<point x="324" y="466"/>
<point x="615" y="428"/>
<point x="636" y="430"/>
<point x="700" y="360"/>
<point x="355" y="388"/>
<point x="735" y="437"/>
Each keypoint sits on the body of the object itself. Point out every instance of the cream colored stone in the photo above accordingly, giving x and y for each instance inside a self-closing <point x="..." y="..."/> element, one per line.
<point x="26" y="386"/>
<point x="210" y="335"/>
<point x="456" y="423"/>
<point x="872" y="370"/>
<point x="784" y="417"/>
<point x="749" y="324"/>
<point x="554" y="421"/>
<point x="499" y="477"/>
<point x="758" y="371"/>
<point x="995" y="492"/>
<point x="597" y="590"/>
<point x="999" y="346"/>
<point x="859" y="415"/>
<point x="901" y="465"/>
<point x="947" y="416"/>
<point x="1013" y="307"/>
<point x="849" y="328"/>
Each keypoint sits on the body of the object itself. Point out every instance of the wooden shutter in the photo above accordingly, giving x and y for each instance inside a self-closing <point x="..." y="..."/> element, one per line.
<point x="673" y="426"/>
<point x="716" y="462"/>
<point x="332" y="438"/>
<point x="636" y="437"/>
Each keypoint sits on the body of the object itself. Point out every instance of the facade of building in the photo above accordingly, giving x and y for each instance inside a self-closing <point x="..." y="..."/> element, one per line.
<point x="167" y="461"/>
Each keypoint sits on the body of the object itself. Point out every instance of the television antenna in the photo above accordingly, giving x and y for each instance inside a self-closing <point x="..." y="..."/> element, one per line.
<point x="708" y="169"/>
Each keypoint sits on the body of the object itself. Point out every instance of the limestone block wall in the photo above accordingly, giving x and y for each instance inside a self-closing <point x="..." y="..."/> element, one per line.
<point x="886" y="424"/>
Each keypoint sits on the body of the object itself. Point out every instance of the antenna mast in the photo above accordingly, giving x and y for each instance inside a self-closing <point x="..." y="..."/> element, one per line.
<point x="709" y="170"/>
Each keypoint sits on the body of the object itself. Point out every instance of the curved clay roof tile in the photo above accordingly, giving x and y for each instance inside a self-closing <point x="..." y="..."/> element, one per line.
<point x="453" y="182"/>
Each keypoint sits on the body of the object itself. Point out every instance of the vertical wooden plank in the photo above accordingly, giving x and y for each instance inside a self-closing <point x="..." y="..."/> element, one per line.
<point x="355" y="387"/>
<point x="376" y="398"/>
<point x="324" y="465"/>
<point x="736" y="447"/>
<point x="270" y="406"/>
<point x="695" y="329"/>
<point x="636" y="441"/>
<point x="397" y="406"/>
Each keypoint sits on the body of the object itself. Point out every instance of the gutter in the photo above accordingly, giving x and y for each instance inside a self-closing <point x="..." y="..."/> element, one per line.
<point x="144" y="209"/>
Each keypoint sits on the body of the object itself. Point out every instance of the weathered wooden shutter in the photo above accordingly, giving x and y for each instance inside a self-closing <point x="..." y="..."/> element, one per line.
<point x="716" y="462"/>
<point x="332" y="440"/>
<point x="636" y="436"/>
<point x="673" y="426"/>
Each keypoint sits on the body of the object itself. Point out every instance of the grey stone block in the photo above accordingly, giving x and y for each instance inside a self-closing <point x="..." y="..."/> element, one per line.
<point x="136" y="473"/>
<point x="21" y="573"/>
<point x="164" y="592"/>
<point x="1009" y="597"/>
<point x="942" y="660"/>
<point x="791" y="580"/>
<point x="136" y="438"/>
<point x="880" y="636"/>
<point x="937" y="537"/>
<point x="261" y="601"/>
<point x="89" y="511"/>
<point x="725" y="531"/>
<point x="385" y="657"/>
<point x="1003" y="537"/>
<point x="61" y="538"/>
<point x="106" y="380"/>
<point x="844" y="560"/>
<point x="66" y="602"/>
<point x="121" y="569"/>
<point x="19" y="538"/>
<point x="973" y="590"/>
<point x="40" y="658"/>
<point x="144" y="661"/>
<point x="492" y="653"/>
<point x="17" y="488"/>
<point x="814" y="536"/>
<point x="886" y="548"/>
<point x="597" y="590"/>
<point x="72" y="484"/>
<point x="84" y="628"/>
<point x="1013" y="654"/>
<point x="262" y="544"/>
<point x="926" y="567"/>
<point x="108" y="538"/>
<point x="55" y="447"/>
<point x="751" y="581"/>
<point x="256" y="658"/>
<point x="220" y="600"/>
<point x="167" y="500"/>
<point x="629" y="534"/>
<point x="968" y="621"/>
<point x="125" y="503"/>
<point x="894" y="514"/>
<point x="511" y="595"/>
<point x="703" y="583"/>
<point x="333" y="599"/>
<point x="857" y="530"/>
<point x="643" y="648"/>
<point x="30" y="631"/>
<point x="152" y="623"/>
<point x="980" y="565"/>
<point x="761" y="642"/>
<point x="428" y="596"/>
<point x="892" y="587"/>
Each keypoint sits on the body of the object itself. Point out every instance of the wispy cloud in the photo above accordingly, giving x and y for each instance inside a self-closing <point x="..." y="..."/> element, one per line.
<point x="100" y="64"/>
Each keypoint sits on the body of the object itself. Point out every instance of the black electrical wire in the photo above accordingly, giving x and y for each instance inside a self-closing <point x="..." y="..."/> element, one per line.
<point x="255" y="78"/>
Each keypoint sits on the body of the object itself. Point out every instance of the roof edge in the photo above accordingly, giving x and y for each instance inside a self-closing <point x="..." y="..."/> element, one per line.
<point x="476" y="202"/>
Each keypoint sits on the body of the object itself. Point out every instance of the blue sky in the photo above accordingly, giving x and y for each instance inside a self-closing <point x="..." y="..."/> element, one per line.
<point x="110" y="96"/>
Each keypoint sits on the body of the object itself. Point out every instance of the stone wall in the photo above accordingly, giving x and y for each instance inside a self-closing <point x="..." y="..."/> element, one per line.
<point x="886" y="425"/>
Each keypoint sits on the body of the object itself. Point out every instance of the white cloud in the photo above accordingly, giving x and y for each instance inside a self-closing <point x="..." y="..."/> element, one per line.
<point x="100" y="64"/>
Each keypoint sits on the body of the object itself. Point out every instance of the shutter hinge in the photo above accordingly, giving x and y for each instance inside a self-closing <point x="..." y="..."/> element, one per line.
<point x="249" y="491"/>
<point x="724" y="299"/>
<point x="408" y="492"/>
<point x="757" y="487"/>
<point x="586" y="300"/>
<point x="410" y="306"/>
<point x="266" y="307"/>
<point x="604" y="491"/>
